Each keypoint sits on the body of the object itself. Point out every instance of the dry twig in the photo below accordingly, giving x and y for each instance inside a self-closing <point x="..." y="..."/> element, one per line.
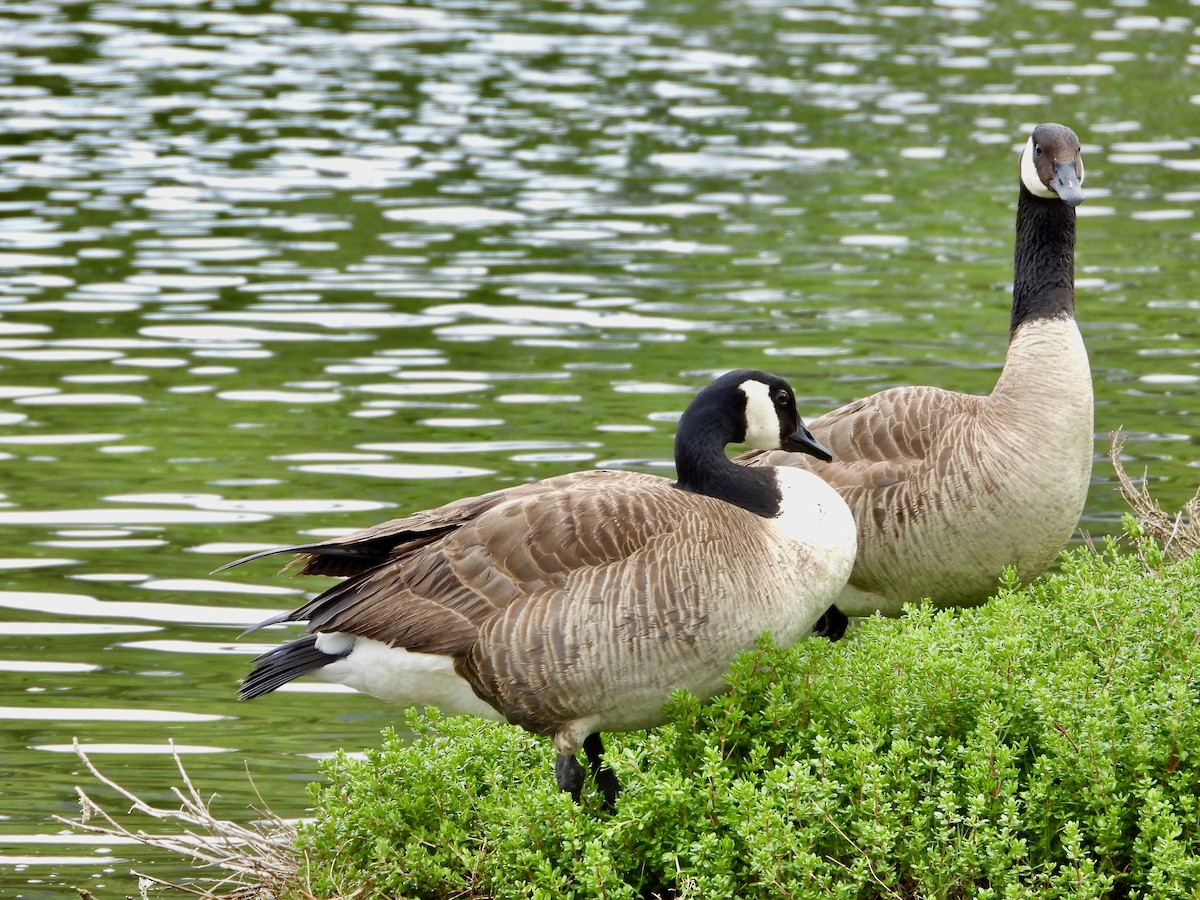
<point x="257" y="860"/>
<point x="1178" y="535"/>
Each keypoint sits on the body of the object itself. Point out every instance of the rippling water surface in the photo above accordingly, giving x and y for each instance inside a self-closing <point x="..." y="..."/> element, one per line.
<point x="275" y="270"/>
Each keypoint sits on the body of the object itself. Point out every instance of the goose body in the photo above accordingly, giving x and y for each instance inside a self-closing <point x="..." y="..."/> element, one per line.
<point x="947" y="488"/>
<point x="575" y="605"/>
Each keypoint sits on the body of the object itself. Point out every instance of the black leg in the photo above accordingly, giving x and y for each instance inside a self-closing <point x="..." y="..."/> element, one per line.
<point x="605" y="778"/>
<point x="569" y="775"/>
<point x="832" y="624"/>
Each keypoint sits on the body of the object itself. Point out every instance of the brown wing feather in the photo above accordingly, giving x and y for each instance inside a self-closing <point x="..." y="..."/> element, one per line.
<point x="433" y="595"/>
<point x="651" y="585"/>
<point x="363" y="550"/>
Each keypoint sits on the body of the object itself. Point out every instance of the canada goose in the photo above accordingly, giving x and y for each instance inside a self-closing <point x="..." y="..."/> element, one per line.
<point x="575" y="605"/>
<point x="948" y="489"/>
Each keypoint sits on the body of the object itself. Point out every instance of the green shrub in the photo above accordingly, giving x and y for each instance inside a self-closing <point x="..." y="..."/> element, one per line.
<point x="1042" y="746"/>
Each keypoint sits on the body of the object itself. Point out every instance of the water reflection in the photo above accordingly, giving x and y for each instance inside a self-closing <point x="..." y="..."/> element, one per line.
<point x="27" y="665"/>
<point x="92" y="714"/>
<point x="395" y="471"/>
<point x="121" y="516"/>
<point x="53" y="605"/>
<point x="203" y="647"/>
<point x="121" y="749"/>
<point x="68" y="629"/>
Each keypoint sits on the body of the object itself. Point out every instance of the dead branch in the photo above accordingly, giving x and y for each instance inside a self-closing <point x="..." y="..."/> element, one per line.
<point x="1179" y="534"/>
<point x="256" y="861"/>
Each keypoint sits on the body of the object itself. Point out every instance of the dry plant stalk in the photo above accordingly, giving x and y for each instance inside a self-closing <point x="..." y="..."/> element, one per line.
<point x="258" y="861"/>
<point x="1178" y="535"/>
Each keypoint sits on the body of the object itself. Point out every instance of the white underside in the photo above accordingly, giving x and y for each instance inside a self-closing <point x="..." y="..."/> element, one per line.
<point x="400" y="676"/>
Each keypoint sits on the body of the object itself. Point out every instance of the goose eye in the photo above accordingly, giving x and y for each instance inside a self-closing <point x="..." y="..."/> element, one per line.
<point x="1037" y="150"/>
<point x="781" y="397"/>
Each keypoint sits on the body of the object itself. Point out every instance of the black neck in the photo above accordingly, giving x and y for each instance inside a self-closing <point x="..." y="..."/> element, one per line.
<point x="1044" y="260"/>
<point x="703" y="468"/>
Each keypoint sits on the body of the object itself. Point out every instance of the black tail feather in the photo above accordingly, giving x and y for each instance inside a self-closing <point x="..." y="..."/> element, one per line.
<point x="331" y="559"/>
<point x="283" y="664"/>
<point x="263" y="554"/>
<point x="278" y="619"/>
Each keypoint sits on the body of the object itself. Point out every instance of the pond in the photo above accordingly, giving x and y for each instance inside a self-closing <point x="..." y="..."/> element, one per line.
<point x="276" y="270"/>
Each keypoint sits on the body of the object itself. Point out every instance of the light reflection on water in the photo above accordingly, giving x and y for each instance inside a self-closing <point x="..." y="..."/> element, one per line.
<point x="274" y="273"/>
<point x="21" y="665"/>
<point x="99" y="749"/>
<point x="395" y="471"/>
<point x="79" y="714"/>
<point x="83" y="605"/>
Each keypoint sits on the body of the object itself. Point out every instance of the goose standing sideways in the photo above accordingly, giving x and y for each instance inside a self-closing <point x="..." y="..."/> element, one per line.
<point x="949" y="489"/>
<point x="575" y="605"/>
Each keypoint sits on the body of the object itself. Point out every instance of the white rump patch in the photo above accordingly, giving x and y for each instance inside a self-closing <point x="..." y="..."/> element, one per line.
<point x="335" y="643"/>
<point x="1029" y="175"/>
<point x="762" y="421"/>
<point x="399" y="676"/>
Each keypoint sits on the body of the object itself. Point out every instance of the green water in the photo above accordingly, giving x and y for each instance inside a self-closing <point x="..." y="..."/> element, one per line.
<point x="279" y="269"/>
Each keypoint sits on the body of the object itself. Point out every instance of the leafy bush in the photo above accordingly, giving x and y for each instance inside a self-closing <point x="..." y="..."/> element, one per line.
<point x="1042" y="746"/>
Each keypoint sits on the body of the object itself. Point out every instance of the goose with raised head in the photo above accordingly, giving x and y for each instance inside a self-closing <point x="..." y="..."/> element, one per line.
<point x="575" y="605"/>
<point x="949" y="489"/>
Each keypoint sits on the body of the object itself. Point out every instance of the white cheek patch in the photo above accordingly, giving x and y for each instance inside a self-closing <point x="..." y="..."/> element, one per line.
<point x="1029" y="175"/>
<point x="762" y="422"/>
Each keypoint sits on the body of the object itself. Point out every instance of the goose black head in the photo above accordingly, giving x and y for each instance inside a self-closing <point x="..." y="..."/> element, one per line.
<point x="1051" y="164"/>
<point x="760" y="411"/>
